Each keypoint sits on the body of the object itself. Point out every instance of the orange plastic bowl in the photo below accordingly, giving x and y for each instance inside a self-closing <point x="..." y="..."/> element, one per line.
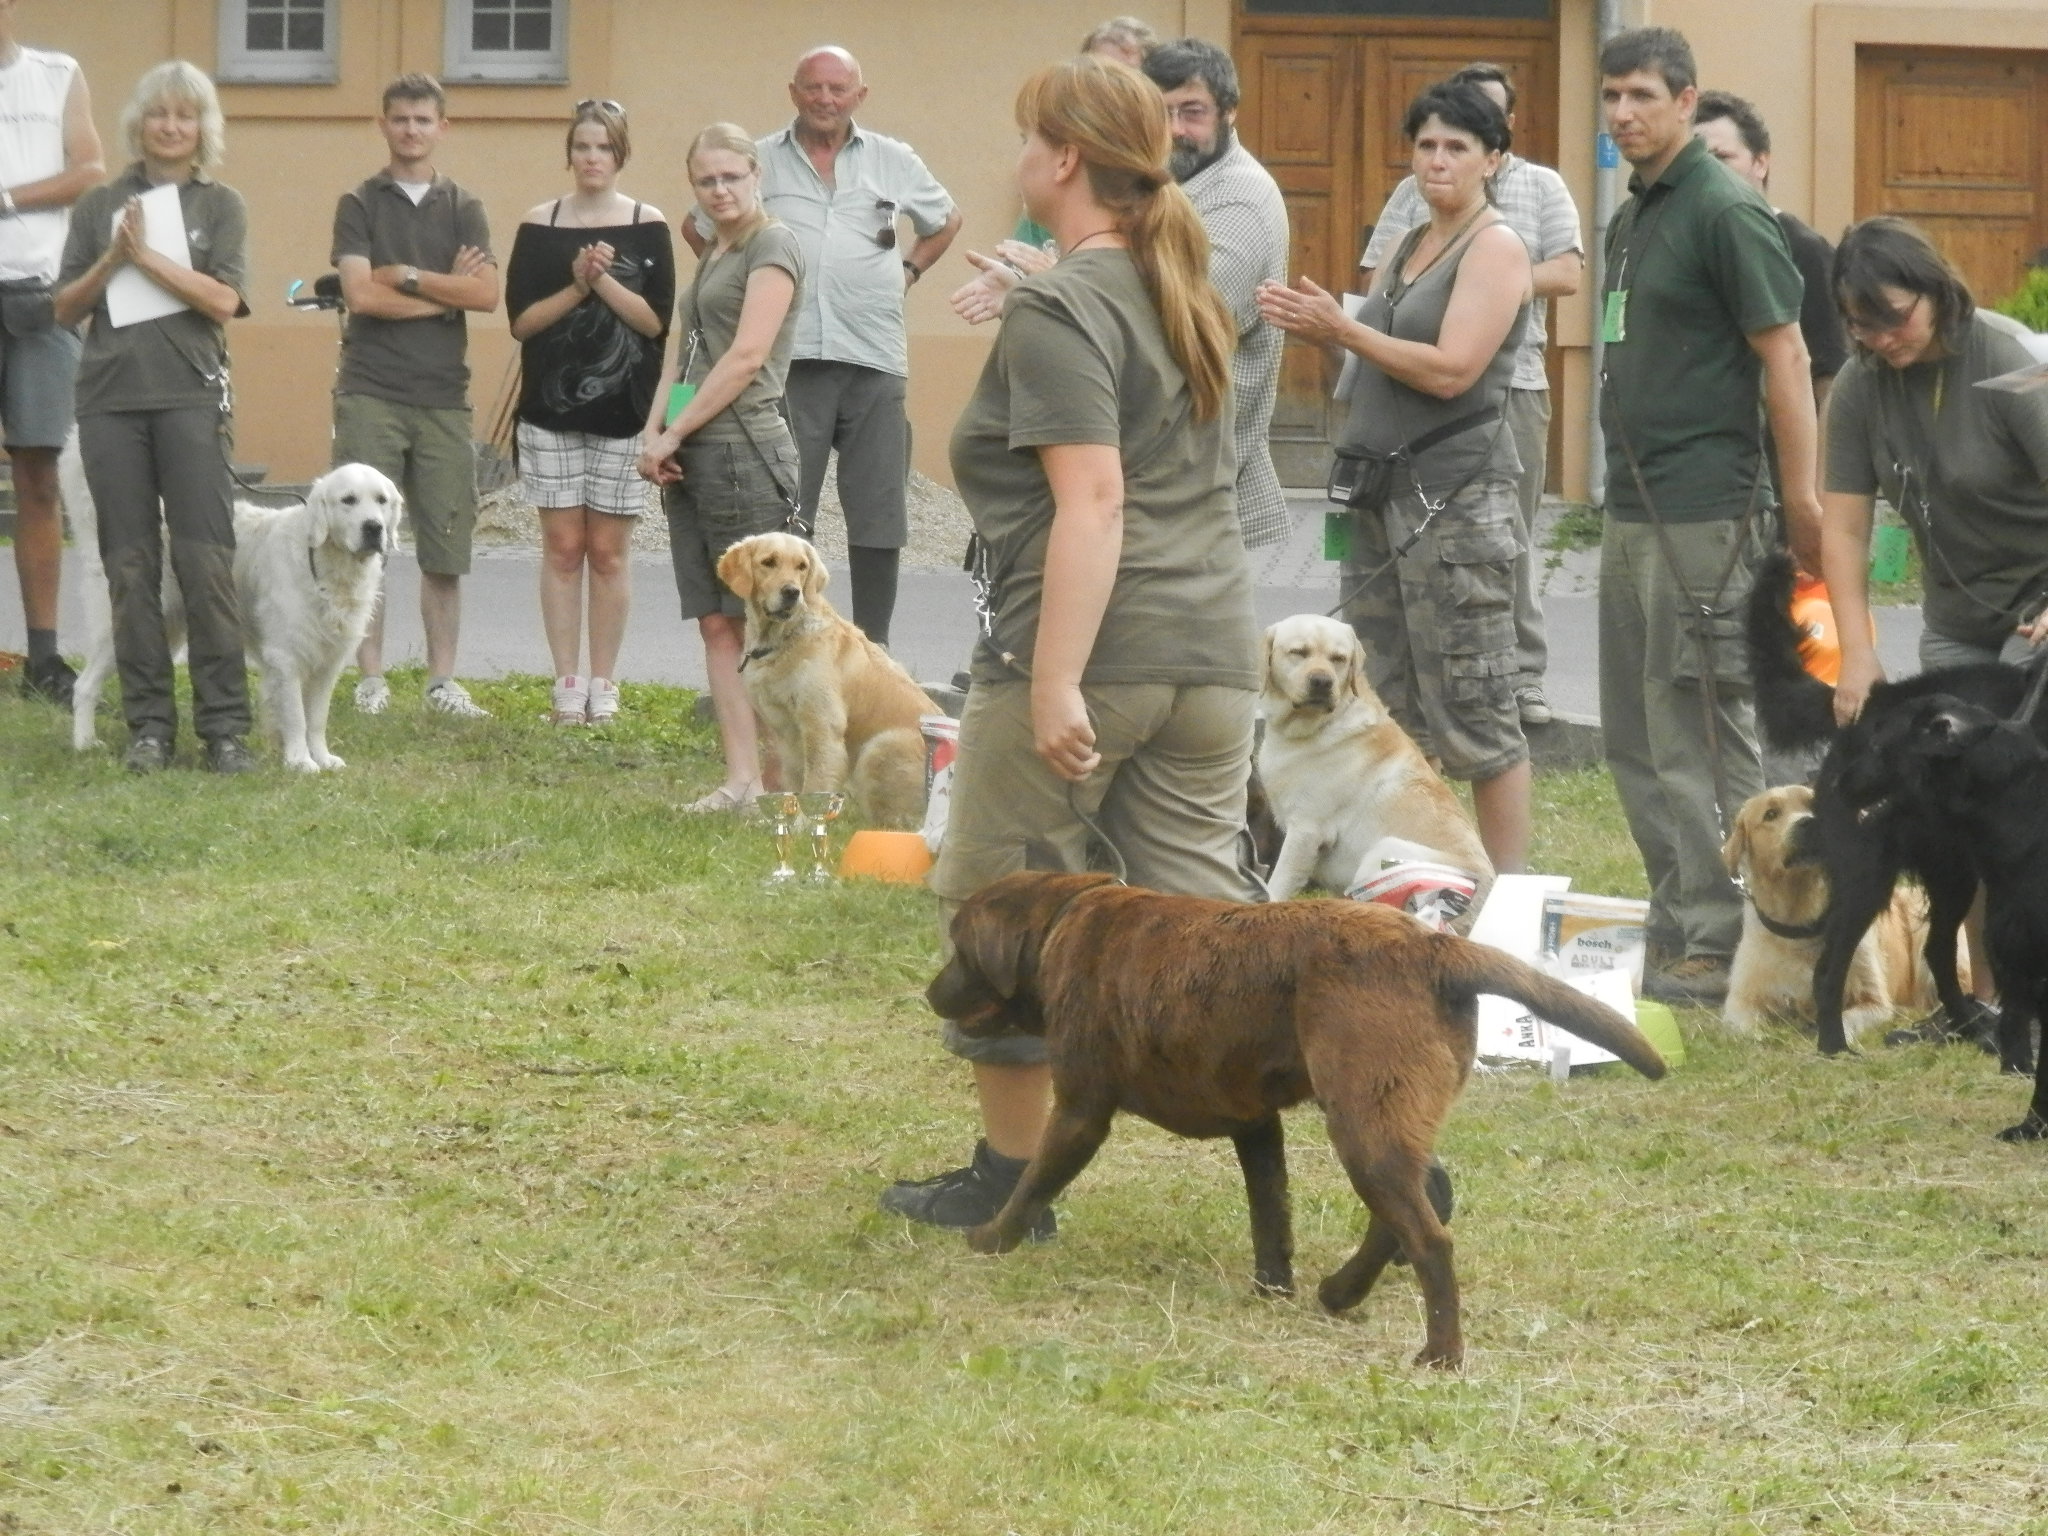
<point x="898" y="856"/>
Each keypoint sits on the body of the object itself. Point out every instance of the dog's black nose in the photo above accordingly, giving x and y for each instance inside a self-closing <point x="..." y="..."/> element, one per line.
<point x="373" y="537"/>
<point x="1320" y="685"/>
<point x="791" y="593"/>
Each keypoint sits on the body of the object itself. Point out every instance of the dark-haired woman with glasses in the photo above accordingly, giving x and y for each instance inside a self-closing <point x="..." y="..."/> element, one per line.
<point x="1966" y="467"/>
<point x="588" y="289"/>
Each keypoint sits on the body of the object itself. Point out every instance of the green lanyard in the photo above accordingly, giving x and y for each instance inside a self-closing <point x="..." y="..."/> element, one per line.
<point x="1614" y="313"/>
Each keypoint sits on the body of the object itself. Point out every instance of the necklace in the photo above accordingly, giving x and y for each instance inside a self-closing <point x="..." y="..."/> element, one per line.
<point x="1086" y="238"/>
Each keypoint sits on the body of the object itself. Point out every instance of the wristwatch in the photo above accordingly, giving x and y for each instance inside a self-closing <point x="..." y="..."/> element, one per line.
<point x="410" y="282"/>
<point x="913" y="269"/>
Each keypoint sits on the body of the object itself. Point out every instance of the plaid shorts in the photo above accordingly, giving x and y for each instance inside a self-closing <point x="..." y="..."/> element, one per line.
<point x="581" y="469"/>
<point x="1439" y="628"/>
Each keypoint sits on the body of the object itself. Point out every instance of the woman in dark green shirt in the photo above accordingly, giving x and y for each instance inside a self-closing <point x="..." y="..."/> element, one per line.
<point x="1115" y="675"/>
<point x="153" y="408"/>
<point x="1967" y="467"/>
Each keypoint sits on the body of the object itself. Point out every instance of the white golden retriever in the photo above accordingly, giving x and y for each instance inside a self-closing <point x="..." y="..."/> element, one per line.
<point x="307" y="581"/>
<point x="1346" y="783"/>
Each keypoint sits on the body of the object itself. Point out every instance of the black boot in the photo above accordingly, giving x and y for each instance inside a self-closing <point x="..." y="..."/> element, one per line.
<point x="966" y="1197"/>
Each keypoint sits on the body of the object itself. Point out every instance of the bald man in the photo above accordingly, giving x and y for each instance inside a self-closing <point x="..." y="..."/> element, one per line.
<point x="843" y="190"/>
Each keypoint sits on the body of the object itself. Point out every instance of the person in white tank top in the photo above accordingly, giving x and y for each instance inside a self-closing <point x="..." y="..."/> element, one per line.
<point x="49" y="157"/>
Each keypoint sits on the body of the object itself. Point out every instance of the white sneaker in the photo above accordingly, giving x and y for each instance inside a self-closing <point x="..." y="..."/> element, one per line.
<point x="604" y="700"/>
<point x="373" y="696"/>
<point x="571" y="701"/>
<point x="451" y="698"/>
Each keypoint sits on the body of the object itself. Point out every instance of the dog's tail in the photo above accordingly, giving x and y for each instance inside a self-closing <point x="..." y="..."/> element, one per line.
<point x="1474" y="968"/>
<point x="1794" y="709"/>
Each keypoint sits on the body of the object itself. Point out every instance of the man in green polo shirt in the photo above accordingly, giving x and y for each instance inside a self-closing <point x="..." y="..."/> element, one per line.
<point x="1700" y="317"/>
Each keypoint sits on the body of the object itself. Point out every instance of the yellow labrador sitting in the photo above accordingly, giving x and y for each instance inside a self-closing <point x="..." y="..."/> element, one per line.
<point x="841" y="713"/>
<point x="1772" y="976"/>
<point x="1347" y="784"/>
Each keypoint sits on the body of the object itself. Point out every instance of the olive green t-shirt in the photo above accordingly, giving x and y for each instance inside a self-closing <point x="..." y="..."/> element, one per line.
<point x="710" y="307"/>
<point x="1705" y="266"/>
<point x="1977" y="467"/>
<point x="172" y="362"/>
<point x="1082" y="359"/>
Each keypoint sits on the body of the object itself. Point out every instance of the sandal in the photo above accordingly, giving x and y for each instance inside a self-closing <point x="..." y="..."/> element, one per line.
<point x="724" y="800"/>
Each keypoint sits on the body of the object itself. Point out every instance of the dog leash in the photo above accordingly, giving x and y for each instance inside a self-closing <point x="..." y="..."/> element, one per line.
<point x="2025" y="713"/>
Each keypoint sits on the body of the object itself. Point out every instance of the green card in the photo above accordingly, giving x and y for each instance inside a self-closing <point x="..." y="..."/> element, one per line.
<point x="1336" y="535"/>
<point x="1614" y="321"/>
<point x="679" y="396"/>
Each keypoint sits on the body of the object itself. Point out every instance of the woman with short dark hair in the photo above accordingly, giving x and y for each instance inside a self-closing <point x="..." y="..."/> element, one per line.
<point x="1429" y="584"/>
<point x="1965" y="466"/>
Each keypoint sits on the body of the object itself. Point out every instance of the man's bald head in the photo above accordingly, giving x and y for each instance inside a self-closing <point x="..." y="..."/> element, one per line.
<point x="826" y="91"/>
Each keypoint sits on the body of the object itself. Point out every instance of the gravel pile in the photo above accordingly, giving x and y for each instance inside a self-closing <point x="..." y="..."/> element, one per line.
<point x="938" y="524"/>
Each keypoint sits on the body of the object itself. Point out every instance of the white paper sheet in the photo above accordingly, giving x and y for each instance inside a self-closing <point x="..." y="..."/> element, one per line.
<point x="132" y="296"/>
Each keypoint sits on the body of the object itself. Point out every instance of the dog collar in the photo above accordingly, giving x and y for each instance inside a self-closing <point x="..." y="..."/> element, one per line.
<point x="755" y="655"/>
<point x="1786" y="930"/>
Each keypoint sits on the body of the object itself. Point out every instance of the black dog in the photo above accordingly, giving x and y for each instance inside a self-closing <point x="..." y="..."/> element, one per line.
<point x="1941" y="757"/>
<point x="1864" y="854"/>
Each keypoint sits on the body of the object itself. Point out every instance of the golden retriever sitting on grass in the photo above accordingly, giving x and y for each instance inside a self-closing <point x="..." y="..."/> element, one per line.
<point x="840" y="712"/>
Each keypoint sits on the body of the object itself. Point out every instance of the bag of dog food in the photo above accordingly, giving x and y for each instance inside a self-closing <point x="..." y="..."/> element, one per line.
<point x="1593" y="933"/>
<point x="1436" y="895"/>
<point x="941" y="746"/>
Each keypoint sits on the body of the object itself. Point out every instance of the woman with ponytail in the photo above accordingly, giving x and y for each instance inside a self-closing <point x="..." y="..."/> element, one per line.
<point x="1114" y="680"/>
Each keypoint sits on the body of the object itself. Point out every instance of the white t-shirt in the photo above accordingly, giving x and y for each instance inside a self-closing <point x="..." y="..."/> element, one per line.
<point x="33" y="90"/>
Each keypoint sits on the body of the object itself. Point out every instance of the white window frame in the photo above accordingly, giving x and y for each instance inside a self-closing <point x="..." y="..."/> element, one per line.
<point x="462" y="64"/>
<point x="238" y="64"/>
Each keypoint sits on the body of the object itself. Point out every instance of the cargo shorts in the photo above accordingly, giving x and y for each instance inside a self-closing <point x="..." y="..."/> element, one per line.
<point x="1439" y="626"/>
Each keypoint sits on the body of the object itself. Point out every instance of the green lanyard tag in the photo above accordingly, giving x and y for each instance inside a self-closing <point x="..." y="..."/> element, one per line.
<point x="1336" y="535"/>
<point x="1614" y="319"/>
<point x="679" y="395"/>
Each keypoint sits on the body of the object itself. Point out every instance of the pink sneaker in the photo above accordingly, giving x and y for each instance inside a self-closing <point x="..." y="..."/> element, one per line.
<point x="604" y="700"/>
<point x="571" y="701"/>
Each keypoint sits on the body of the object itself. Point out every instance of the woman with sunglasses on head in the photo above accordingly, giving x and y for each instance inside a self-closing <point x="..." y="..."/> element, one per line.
<point x="1965" y="466"/>
<point x="726" y="461"/>
<point x="588" y="289"/>
<point x="1116" y="677"/>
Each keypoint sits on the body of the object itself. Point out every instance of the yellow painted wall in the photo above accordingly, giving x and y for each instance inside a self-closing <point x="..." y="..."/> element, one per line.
<point x="942" y="76"/>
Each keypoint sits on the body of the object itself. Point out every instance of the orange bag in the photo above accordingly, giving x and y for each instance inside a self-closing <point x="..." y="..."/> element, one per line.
<point x="1820" y="644"/>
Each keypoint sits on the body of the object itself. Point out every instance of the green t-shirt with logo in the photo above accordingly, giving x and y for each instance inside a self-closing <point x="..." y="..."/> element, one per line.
<point x="1704" y="266"/>
<point x="1082" y="359"/>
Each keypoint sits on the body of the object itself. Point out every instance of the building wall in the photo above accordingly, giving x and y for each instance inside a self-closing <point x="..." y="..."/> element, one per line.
<point x="941" y="74"/>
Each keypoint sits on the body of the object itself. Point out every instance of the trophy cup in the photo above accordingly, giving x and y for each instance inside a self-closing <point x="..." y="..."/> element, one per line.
<point x="782" y="809"/>
<point x="821" y="808"/>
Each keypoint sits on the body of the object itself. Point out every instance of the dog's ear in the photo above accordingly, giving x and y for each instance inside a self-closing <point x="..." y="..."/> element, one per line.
<point x="1266" y="656"/>
<point x="736" y="569"/>
<point x="818" y="577"/>
<point x="1355" y="658"/>
<point x="319" y="510"/>
<point x="1736" y="849"/>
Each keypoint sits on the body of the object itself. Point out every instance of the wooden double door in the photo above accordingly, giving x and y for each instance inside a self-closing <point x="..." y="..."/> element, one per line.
<point x="1322" y="109"/>
<point x="1956" y="139"/>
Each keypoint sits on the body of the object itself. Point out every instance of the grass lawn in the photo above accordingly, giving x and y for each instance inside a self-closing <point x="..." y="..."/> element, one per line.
<point x="465" y="1142"/>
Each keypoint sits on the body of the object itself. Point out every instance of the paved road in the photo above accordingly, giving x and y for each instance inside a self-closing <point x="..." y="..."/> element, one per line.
<point x="934" y="627"/>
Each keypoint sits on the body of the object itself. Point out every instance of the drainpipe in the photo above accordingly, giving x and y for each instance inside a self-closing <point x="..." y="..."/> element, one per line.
<point x="1607" y="21"/>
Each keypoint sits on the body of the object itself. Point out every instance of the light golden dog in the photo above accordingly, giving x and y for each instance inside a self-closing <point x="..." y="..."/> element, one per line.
<point x="1348" y="785"/>
<point x="841" y="712"/>
<point x="1772" y="976"/>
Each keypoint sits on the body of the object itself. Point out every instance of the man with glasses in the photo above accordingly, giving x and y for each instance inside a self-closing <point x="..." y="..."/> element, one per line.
<point x="1699" y="315"/>
<point x="1246" y="217"/>
<point x="414" y="253"/>
<point x="1537" y="205"/>
<point x="843" y="189"/>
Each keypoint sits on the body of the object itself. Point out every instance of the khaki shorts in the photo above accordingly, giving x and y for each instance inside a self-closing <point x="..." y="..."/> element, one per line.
<point x="729" y="492"/>
<point x="427" y="451"/>
<point x="1439" y="628"/>
<point x="1169" y="795"/>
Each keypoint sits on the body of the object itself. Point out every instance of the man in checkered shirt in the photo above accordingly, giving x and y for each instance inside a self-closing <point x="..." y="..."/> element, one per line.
<point x="1536" y="204"/>
<point x="1241" y="208"/>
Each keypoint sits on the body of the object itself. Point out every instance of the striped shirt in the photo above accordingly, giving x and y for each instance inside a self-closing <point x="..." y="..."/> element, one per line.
<point x="1536" y="204"/>
<point x="1242" y="209"/>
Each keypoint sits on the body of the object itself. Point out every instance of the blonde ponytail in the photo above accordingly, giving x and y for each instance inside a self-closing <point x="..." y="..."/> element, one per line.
<point x="1116" y="119"/>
